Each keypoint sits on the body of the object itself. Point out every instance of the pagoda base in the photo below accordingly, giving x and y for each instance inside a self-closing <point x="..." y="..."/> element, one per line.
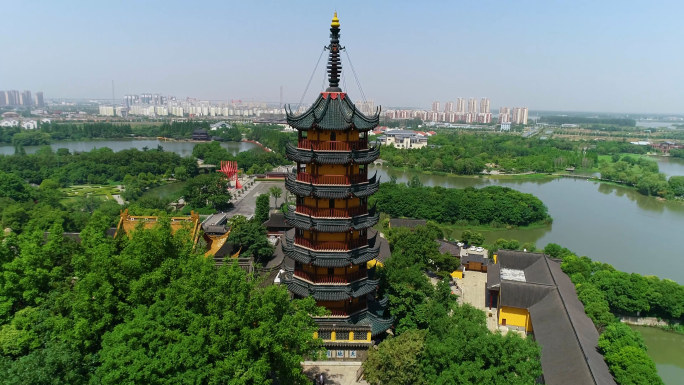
<point x="349" y="338"/>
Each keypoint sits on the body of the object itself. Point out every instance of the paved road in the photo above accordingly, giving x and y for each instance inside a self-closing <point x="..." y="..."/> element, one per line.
<point x="245" y="204"/>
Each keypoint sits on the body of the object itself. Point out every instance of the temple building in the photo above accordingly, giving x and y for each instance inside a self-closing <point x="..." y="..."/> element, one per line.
<point x="329" y="249"/>
<point x="533" y="295"/>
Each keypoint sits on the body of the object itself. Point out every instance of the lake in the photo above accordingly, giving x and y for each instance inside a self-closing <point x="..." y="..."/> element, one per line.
<point x="181" y="148"/>
<point x="607" y="223"/>
<point x="665" y="348"/>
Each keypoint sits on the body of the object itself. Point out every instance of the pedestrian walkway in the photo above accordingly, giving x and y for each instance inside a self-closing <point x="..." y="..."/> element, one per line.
<point x="472" y="290"/>
<point x="334" y="373"/>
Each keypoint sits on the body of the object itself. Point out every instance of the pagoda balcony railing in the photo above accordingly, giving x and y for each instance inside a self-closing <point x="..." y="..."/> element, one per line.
<point x="330" y="258"/>
<point x="330" y="245"/>
<point x="302" y="155"/>
<point x="334" y="225"/>
<point x="332" y="212"/>
<point x="331" y="279"/>
<point x="344" y="313"/>
<point x="331" y="191"/>
<point x="332" y="145"/>
<point x="331" y="179"/>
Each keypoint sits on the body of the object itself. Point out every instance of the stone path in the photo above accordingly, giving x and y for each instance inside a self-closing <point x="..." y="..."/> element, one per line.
<point x="246" y="202"/>
<point x="472" y="291"/>
<point x="334" y="373"/>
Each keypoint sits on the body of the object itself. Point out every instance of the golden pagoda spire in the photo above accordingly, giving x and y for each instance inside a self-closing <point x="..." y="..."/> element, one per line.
<point x="335" y="21"/>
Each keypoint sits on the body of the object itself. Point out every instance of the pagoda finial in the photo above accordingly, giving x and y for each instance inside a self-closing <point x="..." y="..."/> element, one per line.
<point x="334" y="63"/>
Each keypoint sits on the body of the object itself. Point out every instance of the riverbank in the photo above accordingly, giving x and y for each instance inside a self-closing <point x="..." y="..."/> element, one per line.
<point x="580" y="174"/>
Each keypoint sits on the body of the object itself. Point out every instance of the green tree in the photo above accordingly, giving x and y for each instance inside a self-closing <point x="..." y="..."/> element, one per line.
<point x="250" y="238"/>
<point x="12" y="186"/>
<point x="196" y="333"/>
<point x="208" y="190"/>
<point x="472" y="238"/>
<point x="397" y="360"/>
<point x="262" y="208"/>
<point x="275" y="192"/>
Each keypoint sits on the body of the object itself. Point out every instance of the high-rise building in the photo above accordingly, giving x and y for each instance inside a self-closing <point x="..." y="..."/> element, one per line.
<point x="519" y="115"/>
<point x="328" y="251"/>
<point x="40" y="102"/>
<point x="460" y="106"/>
<point x="435" y="106"/>
<point x="12" y="98"/>
<point x="449" y="107"/>
<point x="484" y="106"/>
<point x="3" y="98"/>
<point x="25" y="99"/>
<point x="472" y="106"/>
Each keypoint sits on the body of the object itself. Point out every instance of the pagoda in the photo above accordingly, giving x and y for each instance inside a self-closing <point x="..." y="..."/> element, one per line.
<point x="332" y="244"/>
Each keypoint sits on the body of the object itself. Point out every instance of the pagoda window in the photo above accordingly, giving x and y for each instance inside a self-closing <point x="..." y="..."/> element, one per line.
<point x="331" y="203"/>
<point x="333" y="136"/>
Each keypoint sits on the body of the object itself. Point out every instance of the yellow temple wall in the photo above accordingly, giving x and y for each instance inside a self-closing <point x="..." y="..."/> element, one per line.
<point x="516" y="317"/>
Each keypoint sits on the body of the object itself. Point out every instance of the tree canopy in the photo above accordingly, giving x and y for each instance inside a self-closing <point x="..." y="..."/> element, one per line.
<point x="144" y="310"/>
<point x="490" y="205"/>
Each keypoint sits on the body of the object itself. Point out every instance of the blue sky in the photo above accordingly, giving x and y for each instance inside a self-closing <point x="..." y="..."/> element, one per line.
<point x="613" y="56"/>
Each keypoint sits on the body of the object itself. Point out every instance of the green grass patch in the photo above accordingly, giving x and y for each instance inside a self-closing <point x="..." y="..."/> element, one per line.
<point x="92" y="190"/>
<point x="171" y="191"/>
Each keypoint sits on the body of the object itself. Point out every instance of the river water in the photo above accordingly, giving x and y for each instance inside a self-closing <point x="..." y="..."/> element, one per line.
<point x="666" y="350"/>
<point x="181" y="148"/>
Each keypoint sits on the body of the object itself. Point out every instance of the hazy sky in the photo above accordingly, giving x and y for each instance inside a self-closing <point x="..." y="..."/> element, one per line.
<point x="617" y="56"/>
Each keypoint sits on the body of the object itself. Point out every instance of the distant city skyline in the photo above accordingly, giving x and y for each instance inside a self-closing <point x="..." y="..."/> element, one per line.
<point x="579" y="56"/>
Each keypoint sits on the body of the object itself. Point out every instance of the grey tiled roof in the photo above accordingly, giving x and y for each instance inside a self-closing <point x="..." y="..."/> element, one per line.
<point x="567" y="336"/>
<point x="333" y="114"/>
<point x="446" y="247"/>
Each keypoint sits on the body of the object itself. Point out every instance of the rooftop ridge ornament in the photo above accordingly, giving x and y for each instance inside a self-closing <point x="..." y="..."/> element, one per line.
<point x="334" y="63"/>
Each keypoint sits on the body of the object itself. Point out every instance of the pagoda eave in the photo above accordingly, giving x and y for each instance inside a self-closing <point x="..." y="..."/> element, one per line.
<point x="302" y="155"/>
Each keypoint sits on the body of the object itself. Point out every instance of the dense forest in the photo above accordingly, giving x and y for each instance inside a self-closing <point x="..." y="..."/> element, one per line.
<point x="469" y="154"/>
<point x="643" y="174"/>
<point x="493" y="205"/>
<point x="145" y="310"/>
<point x="97" y="166"/>
<point x="55" y="131"/>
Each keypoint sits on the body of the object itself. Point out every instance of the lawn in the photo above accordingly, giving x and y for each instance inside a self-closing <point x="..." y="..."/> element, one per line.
<point x="103" y="192"/>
